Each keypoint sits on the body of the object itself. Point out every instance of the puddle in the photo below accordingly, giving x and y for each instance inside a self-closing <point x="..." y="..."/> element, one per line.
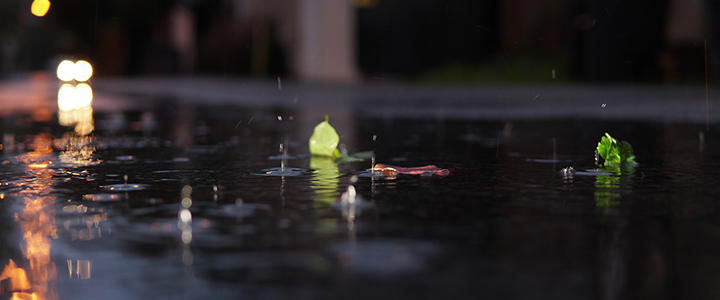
<point x="174" y="208"/>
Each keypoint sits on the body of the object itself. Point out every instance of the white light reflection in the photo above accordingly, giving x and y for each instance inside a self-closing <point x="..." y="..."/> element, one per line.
<point x="75" y="107"/>
<point x="185" y="226"/>
<point x="81" y="268"/>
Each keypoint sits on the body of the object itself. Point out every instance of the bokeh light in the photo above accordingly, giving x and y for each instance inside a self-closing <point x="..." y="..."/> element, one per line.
<point x="66" y="97"/>
<point x="78" y="71"/>
<point x="83" y="95"/>
<point x="83" y="70"/>
<point x="66" y="70"/>
<point x="40" y="7"/>
<point x="75" y="107"/>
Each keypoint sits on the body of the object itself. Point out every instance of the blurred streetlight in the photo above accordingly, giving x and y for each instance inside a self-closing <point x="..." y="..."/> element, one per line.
<point x="40" y="7"/>
<point x="79" y="71"/>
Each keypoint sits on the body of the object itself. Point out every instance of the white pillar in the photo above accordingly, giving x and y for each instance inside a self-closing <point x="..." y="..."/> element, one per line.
<point x="326" y="41"/>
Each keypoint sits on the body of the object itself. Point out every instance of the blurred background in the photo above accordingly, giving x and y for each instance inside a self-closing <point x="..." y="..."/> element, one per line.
<point x="650" y="41"/>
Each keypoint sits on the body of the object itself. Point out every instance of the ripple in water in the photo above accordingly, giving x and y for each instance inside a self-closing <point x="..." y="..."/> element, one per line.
<point x="374" y="174"/>
<point x="103" y="197"/>
<point x="280" y="171"/>
<point x="125" y="187"/>
<point x="593" y="172"/>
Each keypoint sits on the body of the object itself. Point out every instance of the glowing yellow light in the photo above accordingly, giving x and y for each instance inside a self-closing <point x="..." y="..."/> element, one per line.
<point x="66" y="70"/>
<point x="66" y="97"/>
<point x="83" y="70"/>
<point x="83" y="95"/>
<point x="18" y="277"/>
<point x="40" y="7"/>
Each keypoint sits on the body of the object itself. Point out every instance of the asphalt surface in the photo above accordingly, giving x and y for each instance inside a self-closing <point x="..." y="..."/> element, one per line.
<point x="688" y="104"/>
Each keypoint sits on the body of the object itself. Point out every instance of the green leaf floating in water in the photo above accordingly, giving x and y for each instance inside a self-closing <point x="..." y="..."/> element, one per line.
<point x="324" y="140"/>
<point x="616" y="153"/>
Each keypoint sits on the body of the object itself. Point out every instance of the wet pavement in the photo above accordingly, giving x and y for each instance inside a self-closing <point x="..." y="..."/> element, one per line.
<point x="161" y="190"/>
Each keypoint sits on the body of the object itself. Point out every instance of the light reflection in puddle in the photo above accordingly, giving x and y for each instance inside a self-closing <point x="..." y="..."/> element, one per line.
<point x="37" y="221"/>
<point x="125" y="187"/>
<point x="79" y="268"/>
<point x="103" y="197"/>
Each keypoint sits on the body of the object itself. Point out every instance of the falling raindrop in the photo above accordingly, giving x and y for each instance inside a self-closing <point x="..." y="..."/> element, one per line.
<point x="597" y="158"/>
<point x="603" y="105"/>
<point x="284" y="156"/>
<point x="568" y="172"/>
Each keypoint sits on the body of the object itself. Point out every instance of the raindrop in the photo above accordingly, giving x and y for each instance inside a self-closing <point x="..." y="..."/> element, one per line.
<point x="701" y="143"/>
<point x="279" y="118"/>
<point x="603" y="105"/>
<point x="568" y="172"/>
<point x="284" y="156"/>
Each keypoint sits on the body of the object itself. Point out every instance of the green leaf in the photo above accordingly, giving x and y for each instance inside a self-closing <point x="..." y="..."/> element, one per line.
<point x="616" y="153"/>
<point x="324" y="140"/>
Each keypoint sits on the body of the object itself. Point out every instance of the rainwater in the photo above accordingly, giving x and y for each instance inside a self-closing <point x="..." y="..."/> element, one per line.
<point x="172" y="200"/>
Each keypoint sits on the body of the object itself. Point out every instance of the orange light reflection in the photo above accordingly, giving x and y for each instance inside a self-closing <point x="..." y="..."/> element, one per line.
<point x="37" y="222"/>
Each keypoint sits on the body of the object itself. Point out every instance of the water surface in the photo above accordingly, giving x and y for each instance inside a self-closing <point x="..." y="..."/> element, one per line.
<point x="172" y="200"/>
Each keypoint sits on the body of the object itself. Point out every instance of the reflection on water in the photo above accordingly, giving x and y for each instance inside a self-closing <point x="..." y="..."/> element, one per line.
<point x="37" y="221"/>
<point x="325" y="179"/>
<point x="75" y="107"/>
<point x="37" y="218"/>
<point x="80" y="268"/>
<point x="504" y="224"/>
